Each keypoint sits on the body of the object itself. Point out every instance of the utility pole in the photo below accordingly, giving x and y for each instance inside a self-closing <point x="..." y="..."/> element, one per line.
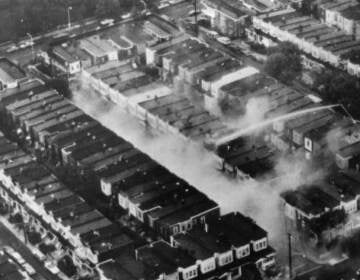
<point x="32" y="45"/>
<point x="25" y="233"/>
<point x="69" y="18"/>
<point x="290" y="256"/>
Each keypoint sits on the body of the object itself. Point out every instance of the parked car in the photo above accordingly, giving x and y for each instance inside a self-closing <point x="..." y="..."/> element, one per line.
<point x="18" y="258"/>
<point x="126" y="16"/>
<point x="12" y="49"/>
<point x="212" y="34"/>
<point x="26" y="44"/>
<point x="29" y="269"/>
<point x="192" y="13"/>
<point x="108" y="21"/>
<point x="51" y="267"/>
<point x="224" y="40"/>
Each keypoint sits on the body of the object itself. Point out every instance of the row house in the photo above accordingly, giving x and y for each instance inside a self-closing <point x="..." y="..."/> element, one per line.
<point x="153" y="53"/>
<point x="162" y="260"/>
<point x="348" y="157"/>
<point x="339" y="191"/>
<point x="308" y="203"/>
<point x="61" y="217"/>
<point x="343" y="14"/>
<point x="221" y="243"/>
<point x="154" y="196"/>
<point x="126" y="48"/>
<point x="311" y="36"/>
<point x="230" y="18"/>
<point x="72" y="58"/>
<point x="67" y="60"/>
<point x="337" y="196"/>
<point x="10" y="74"/>
<point x="89" y="147"/>
<point x="99" y="49"/>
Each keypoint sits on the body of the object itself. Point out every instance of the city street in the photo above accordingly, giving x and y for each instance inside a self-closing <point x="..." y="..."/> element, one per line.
<point x="7" y="238"/>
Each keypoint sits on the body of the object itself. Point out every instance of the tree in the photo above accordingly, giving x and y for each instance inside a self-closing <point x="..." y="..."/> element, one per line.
<point x="284" y="62"/>
<point x="327" y="221"/>
<point x="353" y="56"/>
<point x="335" y="86"/>
<point x="351" y="245"/>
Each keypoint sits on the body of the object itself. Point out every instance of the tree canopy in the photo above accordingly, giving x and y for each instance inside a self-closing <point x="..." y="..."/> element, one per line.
<point x="328" y="220"/>
<point x="339" y="87"/>
<point x="284" y="62"/>
<point x="351" y="245"/>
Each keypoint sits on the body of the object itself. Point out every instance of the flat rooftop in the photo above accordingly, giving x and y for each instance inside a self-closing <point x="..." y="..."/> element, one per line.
<point x="163" y="258"/>
<point x="310" y="199"/>
<point x="10" y="72"/>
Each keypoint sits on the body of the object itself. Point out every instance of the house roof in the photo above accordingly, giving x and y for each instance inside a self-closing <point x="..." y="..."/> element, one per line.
<point x="164" y="258"/>
<point x="310" y="199"/>
<point x="10" y="72"/>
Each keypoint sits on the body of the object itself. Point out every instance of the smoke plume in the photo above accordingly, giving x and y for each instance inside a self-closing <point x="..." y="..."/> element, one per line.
<point x="192" y="162"/>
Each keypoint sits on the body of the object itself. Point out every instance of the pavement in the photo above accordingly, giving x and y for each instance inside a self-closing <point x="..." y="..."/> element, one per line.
<point x="7" y="238"/>
<point x="42" y="42"/>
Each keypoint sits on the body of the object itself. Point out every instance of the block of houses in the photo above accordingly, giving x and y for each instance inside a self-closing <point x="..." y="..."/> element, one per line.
<point x="322" y="42"/>
<point x="230" y="18"/>
<point x="100" y="50"/>
<point x="221" y="243"/>
<point x="69" y="58"/>
<point x="343" y="14"/>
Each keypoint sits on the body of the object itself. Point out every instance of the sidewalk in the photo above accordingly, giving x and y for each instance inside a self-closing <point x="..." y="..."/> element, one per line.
<point x="19" y="234"/>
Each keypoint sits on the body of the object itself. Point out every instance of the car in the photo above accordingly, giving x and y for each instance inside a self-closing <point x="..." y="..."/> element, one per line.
<point x="193" y="13"/>
<point x="163" y="5"/>
<point x="12" y="49"/>
<point x="224" y="40"/>
<point x="212" y="34"/>
<point x="126" y="16"/>
<point x="18" y="258"/>
<point x="29" y="269"/>
<point x="38" y="255"/>
<point x="52" y="267"/>
<point x="23" y="46"/>
<point x="107" y="21"/>
<point x="9" y="250"/>
<point x="26" y="44"/>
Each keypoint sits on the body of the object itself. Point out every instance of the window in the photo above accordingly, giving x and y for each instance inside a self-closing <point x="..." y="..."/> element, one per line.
<point x="260" y="245"/>
<point x="243" y="252"/>
<point x="175" y="229"/>
<point x="208" y="265"/>
<point x="308" y="144"/>
<point x="226" y="259"/>
<point x="191" y="274"/>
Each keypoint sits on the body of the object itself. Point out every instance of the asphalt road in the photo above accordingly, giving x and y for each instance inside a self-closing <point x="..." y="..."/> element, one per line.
<point x="7" y="238"/>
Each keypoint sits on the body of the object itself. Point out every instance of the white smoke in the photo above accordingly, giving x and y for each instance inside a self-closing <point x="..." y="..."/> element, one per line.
<point x="255" y="111"/>
<point x="192" y="162"/>
<point x="334" y="139"/>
